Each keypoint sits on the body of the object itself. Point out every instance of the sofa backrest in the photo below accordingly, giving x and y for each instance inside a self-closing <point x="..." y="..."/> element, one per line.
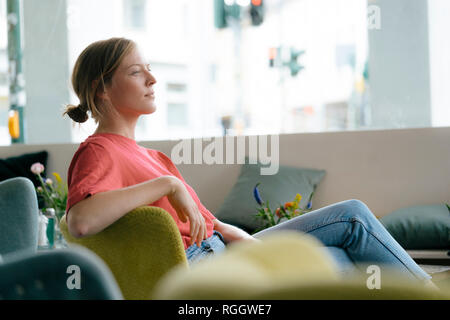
<point x="386" y="169"/>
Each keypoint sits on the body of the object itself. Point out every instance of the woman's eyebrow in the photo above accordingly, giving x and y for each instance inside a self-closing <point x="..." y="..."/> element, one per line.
<point x="135" y="64"/>
<point x="139" y="65"/>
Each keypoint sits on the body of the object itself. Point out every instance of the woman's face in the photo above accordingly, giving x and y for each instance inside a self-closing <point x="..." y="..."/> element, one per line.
<point x="131" y="89"/>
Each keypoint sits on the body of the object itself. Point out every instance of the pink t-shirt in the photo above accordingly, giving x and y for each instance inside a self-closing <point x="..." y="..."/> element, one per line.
<point x="107" y="161"/>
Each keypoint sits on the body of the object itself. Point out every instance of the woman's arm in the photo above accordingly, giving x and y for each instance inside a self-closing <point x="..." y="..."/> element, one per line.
<point x="231" y="233"/>
<point x="95" y="213"/>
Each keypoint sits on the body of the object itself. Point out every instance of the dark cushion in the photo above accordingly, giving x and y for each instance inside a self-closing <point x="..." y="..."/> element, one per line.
<point x="19" y="166"/>
<point x="420" y="227"/>
<point x="240" y="207"/>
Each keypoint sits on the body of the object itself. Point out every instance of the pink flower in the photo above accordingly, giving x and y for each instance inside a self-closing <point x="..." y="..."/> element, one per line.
<point x="37" y="168"/>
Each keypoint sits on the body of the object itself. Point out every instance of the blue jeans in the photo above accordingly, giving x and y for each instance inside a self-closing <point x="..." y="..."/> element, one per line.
<point x="354" y="237"/>
<point x="209" y="247"/>
<point x="351" y="234"/>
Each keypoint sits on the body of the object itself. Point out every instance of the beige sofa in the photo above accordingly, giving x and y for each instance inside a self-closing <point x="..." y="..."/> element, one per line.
<point x="386" y="169"/>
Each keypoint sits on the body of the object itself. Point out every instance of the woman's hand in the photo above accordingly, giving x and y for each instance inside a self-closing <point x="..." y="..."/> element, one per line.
<point x="231" y="233"/>
<point x="187" y="209"/>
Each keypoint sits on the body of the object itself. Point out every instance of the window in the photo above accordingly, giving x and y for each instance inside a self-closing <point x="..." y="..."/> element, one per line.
<point x="134" y="12"/>
<point x="176" y="115"/>
<point x="177" y="105"/>
<point x="373" y="64"/>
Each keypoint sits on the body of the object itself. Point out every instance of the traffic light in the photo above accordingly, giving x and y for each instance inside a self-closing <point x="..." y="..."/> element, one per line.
<point x="220" y="14"/>
<point x="275" y="58"/>
<point x="223" y="10"/>
<point x="293" y="64"/>
<point x="272" y="57"/>
<point x="232" y="9"/>
<point x="257" y="12"/>
<point x="281" y="57"/>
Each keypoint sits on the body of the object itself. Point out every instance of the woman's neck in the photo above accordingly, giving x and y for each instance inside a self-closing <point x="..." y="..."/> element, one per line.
<point x="122" y="128"/>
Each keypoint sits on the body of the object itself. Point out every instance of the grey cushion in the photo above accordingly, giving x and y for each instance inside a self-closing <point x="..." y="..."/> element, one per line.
<point x="420" y="227"/>
<point x="240" y="207"/>
<point x="18" y="215"/>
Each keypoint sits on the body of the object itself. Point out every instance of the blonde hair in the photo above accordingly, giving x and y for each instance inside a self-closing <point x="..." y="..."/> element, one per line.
<point x="94" y="70"/>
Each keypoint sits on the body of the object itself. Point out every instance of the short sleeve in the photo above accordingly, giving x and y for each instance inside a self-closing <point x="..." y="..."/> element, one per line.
<point x="169" y="165"/>
<point x="91" y="171"/>
<point x="174" y="170"/>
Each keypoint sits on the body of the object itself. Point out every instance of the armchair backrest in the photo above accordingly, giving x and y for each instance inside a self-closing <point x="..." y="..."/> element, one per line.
<point x="19" y="214"/>
<point x="52" y="275"/>
<point x="139" y="249"/>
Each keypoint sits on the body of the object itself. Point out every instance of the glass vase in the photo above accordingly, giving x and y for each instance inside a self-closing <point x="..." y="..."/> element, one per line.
<point x="59" y="240"/>
<point x="55" y="238"/>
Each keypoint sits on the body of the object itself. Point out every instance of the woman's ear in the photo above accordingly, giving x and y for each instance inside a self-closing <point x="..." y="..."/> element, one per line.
<point x="101" y="94"/>
<point x="99" y="90"/>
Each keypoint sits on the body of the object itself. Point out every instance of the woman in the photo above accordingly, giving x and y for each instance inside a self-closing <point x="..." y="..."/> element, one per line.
<point x="110" y="174"/>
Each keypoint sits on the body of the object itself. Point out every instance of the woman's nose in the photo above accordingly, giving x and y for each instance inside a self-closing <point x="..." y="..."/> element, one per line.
<point x="152" y="79"/>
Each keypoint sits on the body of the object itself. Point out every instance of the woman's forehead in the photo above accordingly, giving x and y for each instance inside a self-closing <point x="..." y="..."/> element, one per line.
<point x="133" y="58"/>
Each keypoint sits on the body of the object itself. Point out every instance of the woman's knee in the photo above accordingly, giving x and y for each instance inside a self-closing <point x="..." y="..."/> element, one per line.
<point x="357" y="210"/>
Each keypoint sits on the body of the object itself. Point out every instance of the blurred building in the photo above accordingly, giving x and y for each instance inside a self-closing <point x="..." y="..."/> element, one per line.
<point x="354" y="76"/>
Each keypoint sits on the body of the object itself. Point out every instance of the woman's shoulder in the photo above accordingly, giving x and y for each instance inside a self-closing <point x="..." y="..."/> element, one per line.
<point x="93" y="143"/>
<point x="159" y="155"/>
<point x="100" y="139"/>
<point x="165" y="160"/>
<point x="103" y="142"/>
<point x="91" y="155"/>
<point x="93" y="148"/>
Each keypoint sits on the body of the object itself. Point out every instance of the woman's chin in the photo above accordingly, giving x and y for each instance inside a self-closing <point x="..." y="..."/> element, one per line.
<point x="150" y="110"/>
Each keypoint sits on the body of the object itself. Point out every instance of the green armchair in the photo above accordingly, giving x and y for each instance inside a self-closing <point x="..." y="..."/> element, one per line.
<point x="139" y="249"/>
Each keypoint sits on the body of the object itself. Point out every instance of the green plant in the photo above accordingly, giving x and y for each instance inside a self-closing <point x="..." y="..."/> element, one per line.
<point x="283" y="212"/>
<point x="54" y="195"/>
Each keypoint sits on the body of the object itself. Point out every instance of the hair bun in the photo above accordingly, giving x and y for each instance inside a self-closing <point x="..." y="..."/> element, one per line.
<point x="78" y="114"/>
